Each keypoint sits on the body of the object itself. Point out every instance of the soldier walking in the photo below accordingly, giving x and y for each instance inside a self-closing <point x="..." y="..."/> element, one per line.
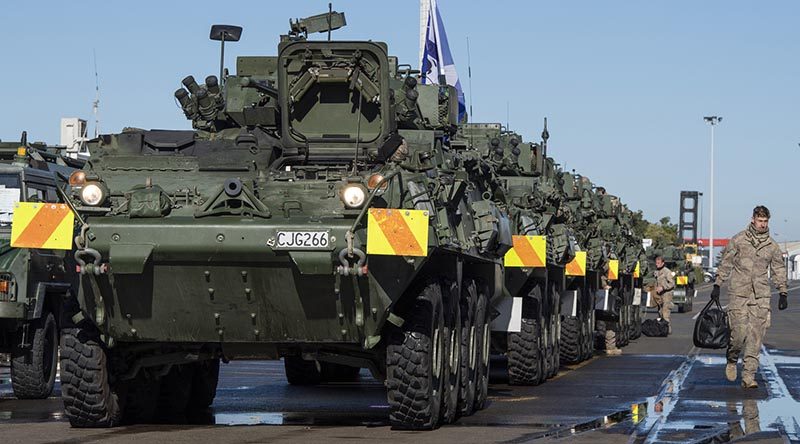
<point x="665" y="283"/>
<point x="746" y="260"/>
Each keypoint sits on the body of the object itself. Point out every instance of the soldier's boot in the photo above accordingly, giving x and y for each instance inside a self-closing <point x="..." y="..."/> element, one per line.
<point x="730" y="371"/>
<point x="611" y="343"/>
<point x="749" y="381"/>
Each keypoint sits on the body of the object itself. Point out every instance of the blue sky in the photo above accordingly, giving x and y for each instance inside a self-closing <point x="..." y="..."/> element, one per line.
<point x="625" y="84"/>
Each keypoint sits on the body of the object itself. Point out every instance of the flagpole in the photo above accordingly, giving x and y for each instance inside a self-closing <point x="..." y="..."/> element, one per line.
<point x="424" y="11"/>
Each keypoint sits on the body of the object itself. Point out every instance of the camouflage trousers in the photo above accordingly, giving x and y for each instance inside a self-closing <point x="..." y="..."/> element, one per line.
<point x="664" y="304"/>
<point x="749" y="319"/>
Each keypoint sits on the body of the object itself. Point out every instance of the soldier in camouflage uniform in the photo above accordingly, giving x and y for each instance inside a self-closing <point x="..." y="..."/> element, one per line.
<point x="665" y="283"/>
<point x="746" y="260"/>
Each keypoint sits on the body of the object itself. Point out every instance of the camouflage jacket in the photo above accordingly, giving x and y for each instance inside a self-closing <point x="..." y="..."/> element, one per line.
<point x="747" y="267"/>
<point x="665" y="279"/>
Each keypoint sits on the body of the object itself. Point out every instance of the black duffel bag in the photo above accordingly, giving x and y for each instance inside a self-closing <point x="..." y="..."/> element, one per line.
<point x="655" y="328"/>
<point x="711" y="330"/>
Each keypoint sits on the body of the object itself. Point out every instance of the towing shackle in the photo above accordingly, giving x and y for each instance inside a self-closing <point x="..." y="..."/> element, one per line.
<point x="358" y="269"/>
<point x="92" y="267"/>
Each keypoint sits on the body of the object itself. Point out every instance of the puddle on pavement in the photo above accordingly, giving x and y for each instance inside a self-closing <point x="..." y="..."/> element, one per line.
<point x="273" y="418"/>
<point x="722" y="420"/>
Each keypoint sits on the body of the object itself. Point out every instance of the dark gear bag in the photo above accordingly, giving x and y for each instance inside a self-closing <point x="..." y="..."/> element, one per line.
<point x="658" y="328"/>
<point x="711" y="330"/>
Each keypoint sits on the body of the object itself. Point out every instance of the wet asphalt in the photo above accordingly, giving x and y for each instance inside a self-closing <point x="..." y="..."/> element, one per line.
<point x="659" y="390"/>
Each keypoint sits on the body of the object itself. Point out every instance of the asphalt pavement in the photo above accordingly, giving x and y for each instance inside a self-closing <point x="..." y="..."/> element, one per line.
<point x="659" y="390"/>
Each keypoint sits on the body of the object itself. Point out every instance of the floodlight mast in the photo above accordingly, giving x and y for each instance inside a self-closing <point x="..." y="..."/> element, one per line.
<point x="713" y="121"/>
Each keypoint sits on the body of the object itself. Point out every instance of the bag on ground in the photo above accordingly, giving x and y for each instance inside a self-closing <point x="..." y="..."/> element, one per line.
<point x="658" y="328"/>
<point x="711" y="330"/>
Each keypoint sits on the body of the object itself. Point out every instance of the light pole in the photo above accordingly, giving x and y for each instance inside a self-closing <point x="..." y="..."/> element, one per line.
<point x="713" y="121"/>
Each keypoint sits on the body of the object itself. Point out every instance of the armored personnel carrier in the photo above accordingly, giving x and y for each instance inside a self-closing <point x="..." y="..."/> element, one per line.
<point x="33" y="281"/>
<point x="317" y="213"/>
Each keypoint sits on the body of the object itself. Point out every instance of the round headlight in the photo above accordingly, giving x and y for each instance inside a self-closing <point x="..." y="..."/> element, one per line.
<point x="77" y="178"/>
<point x="374" y="180"/>
<point x="354" y="196"/>
<point x="92" y="194"/>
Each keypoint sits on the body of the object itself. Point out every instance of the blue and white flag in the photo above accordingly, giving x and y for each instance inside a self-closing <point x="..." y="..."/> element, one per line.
<point x="436" y="57"/>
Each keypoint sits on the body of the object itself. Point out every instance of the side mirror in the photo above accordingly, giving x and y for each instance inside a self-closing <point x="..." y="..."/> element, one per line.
<point x="228" y="33"/>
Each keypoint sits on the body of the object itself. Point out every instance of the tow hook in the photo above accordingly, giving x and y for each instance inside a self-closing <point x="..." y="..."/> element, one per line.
<point x="93" y="267"/>
<point x="359" y="269"/>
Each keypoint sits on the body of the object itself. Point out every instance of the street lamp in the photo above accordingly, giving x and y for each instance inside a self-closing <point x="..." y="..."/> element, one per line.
<point x="713" y="121"/>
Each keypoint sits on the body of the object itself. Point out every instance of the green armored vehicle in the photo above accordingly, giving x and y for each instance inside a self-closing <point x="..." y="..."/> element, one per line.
<point x="33" y="281"/>
<point x="317" y="213"/>
<point x="618" y="299"/>
<point x="546" y="314"/>
<point x="675" y="258"/>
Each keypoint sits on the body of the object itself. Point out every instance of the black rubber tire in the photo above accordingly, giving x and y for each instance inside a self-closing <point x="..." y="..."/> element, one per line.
<point x="600" y="335"/>
<point x="204" y="384"/>
<point x="525" y="363"/>
<point x="302" y="372"/>
<point x="637" y="322"/>
<point x="89" y="399"/>
<point x="33" y="371"/>
<point x="414" y="376"/>
<point x="681" y="308"/>
<point x="557" y="346"/>
<point x="482" y="321"/>
<point x="571" y="340"/>
<point x="452" y="352"/>
<point x="175" y="393"/>
<point x="470" y="352"/>
<point x="590" y="326"/>
<point x="547" y="348"/>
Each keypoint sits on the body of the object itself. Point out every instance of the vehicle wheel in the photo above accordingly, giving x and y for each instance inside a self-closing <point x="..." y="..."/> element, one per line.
<point x="525" y="363"/>
<point x="33" y="371"/>
<point x="141" y="399"/>
<point x="302" y="372"/>
<point x="482" y="322"/>
<point x="470" y="352"/>
<point x="681" y="308"/>
<point x="204" y="384"/>
<point x="600" y="335"/>
<point x="415" y="361"/>
<point x="89" y="398"/>
<point x="557" y="346"/>
<point x="571" y="340"/>
<point x="175" y="393"/>
<point x="452" y="352"/>
<point x="637" y="322"/>
<point x="589" y="334"/>
<point x="547" y="347"/>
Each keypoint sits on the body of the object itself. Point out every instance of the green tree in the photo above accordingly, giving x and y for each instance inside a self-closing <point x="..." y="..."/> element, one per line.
<point x="663" y="233"/>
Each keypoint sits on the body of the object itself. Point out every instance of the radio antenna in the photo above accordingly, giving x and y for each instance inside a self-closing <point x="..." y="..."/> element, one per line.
<point x="96" y="102"/>
<point x="469" y="77"/>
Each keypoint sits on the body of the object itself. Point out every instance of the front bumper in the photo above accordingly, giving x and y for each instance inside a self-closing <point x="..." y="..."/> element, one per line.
<point x="217" y="280"/>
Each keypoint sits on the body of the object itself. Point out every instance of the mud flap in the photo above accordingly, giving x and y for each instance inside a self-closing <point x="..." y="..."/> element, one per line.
<point x="569" y="302"/>
<point x="605" y="306"/>
<point x="637" y="296"/>
<point x="509" y="315"/>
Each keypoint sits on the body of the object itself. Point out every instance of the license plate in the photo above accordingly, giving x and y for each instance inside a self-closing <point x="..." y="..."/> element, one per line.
<point x="303" y="240"/>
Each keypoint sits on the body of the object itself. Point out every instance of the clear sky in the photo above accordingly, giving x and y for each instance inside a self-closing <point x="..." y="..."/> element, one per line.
<point x="625" y="84"/>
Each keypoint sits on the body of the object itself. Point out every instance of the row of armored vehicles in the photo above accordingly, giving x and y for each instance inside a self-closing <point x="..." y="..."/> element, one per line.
<point x="331" y="210"/>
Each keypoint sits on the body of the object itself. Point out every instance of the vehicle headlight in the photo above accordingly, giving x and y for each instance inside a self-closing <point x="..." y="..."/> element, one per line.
<point x="353" y="195"/>
<point x="93" y="194"/>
